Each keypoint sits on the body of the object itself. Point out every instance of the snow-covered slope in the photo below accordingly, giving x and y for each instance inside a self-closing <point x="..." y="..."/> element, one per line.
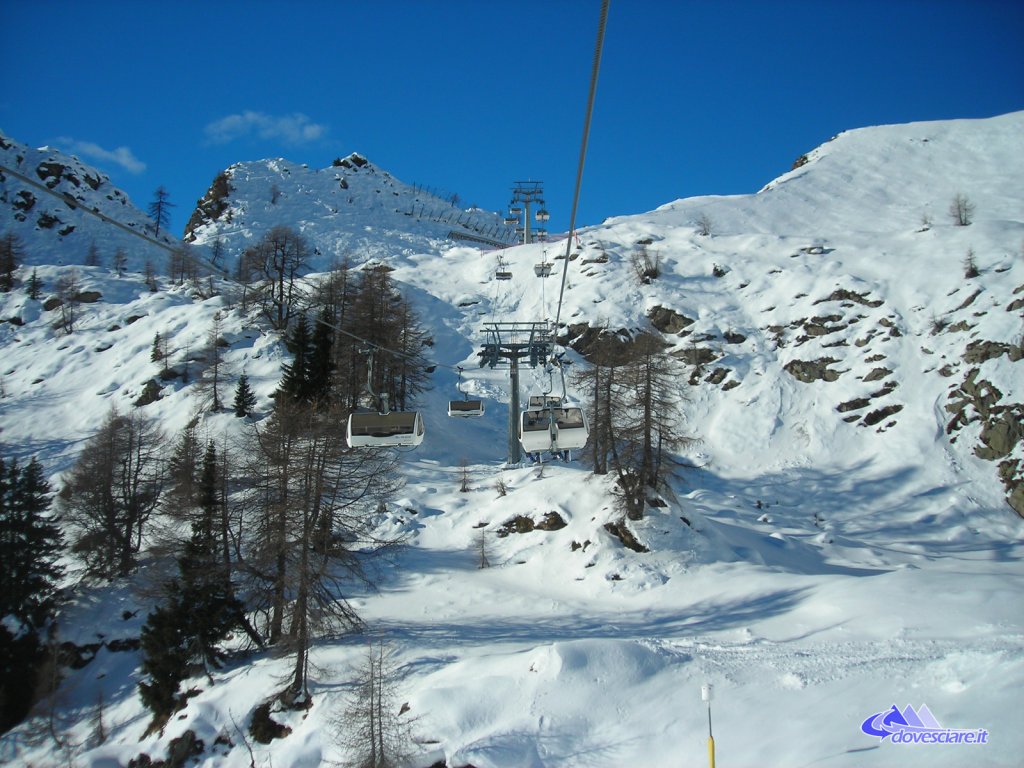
<point x="352" y="209"/>
<point x="846" y="544"/>
<point x="60" y="229"/>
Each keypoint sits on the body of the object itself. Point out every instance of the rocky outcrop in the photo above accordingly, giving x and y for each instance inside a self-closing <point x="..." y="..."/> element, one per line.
<point x="809" y="371"/>
<point x="1001" y="430"/>
<point x="597" y="344"/>
<point x="211" y="206"/>
<point x="668" y="320"/>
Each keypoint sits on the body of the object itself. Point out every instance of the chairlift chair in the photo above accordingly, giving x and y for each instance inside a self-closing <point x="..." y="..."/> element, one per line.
<point x="465" y="408"/>
<point x="503" y="272"/>
<point x="542" y="269"/>
<point x="384" y="428"/>
<point x="537" y="402"/>
<point x="553" y="429"/>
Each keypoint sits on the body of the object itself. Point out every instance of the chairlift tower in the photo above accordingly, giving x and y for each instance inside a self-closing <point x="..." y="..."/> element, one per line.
<point x="524" y="195"/>
<point x="531" y="342"/>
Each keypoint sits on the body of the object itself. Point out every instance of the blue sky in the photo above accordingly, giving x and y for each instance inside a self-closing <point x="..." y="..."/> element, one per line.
<point x="469" y="96"/>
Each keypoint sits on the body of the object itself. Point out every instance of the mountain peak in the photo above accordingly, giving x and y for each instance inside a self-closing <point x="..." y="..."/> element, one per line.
<point x="354" y="161"/>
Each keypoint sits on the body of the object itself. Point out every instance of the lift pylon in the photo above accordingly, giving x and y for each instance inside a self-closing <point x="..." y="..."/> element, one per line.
<point x="531" y="342"/>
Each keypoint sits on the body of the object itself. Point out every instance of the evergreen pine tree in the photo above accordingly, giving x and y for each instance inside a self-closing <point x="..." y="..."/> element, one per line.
<point x="295" y="381"/>
<point x="11" y="256"/>
<point x="92" y="256"/>
<point x="183" y="470"/>
<point x="321" y="359"/>
<point x="30" y="544"/>
<point x="164" y="660"/>
<point x="35" y="286"/>
<point x="156" y="353"/>
<point x="206" y="591"/>
<point x="201" y="608"/>
<point x="245" y="398"/>
<point x="160" y="209"/>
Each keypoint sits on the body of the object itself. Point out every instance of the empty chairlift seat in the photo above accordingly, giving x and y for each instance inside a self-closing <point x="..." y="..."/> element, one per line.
<point x="466" y="408"/>
<point x="383" y="430"/>
<point x="544" y="401"/>
<point x="552" y="429"/>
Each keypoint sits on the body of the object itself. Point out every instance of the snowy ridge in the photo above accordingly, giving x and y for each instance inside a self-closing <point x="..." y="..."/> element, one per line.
<point x="845" y="545"/>
<point x="60" y="230"/>
<point x="352" y="209"/>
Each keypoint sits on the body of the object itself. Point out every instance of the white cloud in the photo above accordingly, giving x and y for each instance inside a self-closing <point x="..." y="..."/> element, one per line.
<point x="122" y="157"/>
<point x="291" y="129"/>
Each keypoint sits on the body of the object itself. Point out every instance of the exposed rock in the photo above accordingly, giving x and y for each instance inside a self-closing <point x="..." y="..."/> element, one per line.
<point x="211" y="206"/>
<point x="24" y="200"/>
<point x="183" y="749"/>
<point x="877" y="374"/>
<point x="263" y="728"/>
<point x="621" y="531"/>
<point x="1016" y="499"/>
<point x="717" y="376"/>
<point x="695" y="355"/>
<point x="981" y="396"/>
<point x="597" y="344"/>
<point x="1001" y="434"/>
<point x="47" y="221"/>
<point x="552" y="521"/>
<point x="854" y="405"/>
<point x="881" y="414"/>
<point x="969" y="300"/>
<point x="668" y="320"/>
<point x="980" y="351"/>
<point x="809" y="371"/>
<point x="841" y="294"/>
<point x="50" y="173"/>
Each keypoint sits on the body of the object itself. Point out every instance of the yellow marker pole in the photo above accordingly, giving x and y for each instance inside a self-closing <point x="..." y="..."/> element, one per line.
<point x="705" y="695"/>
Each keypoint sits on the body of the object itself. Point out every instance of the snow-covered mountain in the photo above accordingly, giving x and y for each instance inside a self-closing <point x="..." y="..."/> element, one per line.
<point x="853" y="369"/>
<point x="60" y="226"/>
<point x="352" y="209"/>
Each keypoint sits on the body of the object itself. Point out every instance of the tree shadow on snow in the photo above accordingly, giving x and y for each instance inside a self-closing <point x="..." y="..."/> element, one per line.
<point x="702" y="618"/>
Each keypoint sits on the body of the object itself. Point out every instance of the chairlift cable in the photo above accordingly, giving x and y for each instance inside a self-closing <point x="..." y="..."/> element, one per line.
<point x="595" y="68"/>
